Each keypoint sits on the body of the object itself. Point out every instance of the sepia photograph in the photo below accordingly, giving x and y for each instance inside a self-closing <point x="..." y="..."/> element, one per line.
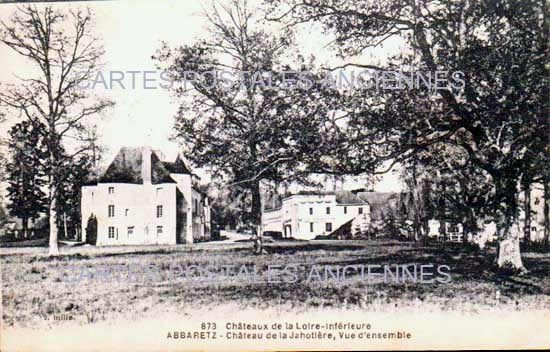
<point x="274" y="175"/>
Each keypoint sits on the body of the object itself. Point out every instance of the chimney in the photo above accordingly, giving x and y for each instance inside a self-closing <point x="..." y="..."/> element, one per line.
<point x="146" y="165"/>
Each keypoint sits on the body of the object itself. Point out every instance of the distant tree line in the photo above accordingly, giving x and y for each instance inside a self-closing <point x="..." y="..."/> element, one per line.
<point x="27" y="178"/>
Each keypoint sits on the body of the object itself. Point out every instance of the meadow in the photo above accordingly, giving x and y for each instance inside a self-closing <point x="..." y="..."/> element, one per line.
<point x="37" y="289"/>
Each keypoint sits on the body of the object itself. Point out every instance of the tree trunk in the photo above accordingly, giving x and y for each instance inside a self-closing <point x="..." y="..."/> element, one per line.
<point x="470" y="225"/>
<point x="65" y="225"/>
<point x="427" y="212"/>
<point x="508" y="252"/>
<point x="25" y="225"/>
<point x="442" y="212"/>
<point x="257" y="217"/>
<point x="527" y="211"/>
<point x="509" y="255"/>
<point x="54" y="247"/>
<point x="256" y="203"/>
<point x="416" y="203"/>
<point x="547" y="212"/>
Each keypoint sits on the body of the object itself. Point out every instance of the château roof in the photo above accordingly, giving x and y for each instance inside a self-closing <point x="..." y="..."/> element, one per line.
<point x="176" y="167"/>
<point x="127" y="167"/>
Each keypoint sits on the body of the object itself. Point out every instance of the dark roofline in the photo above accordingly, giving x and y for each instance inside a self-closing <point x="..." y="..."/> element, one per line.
<point x="126" y="167"/>
<point x="271" y="209"/>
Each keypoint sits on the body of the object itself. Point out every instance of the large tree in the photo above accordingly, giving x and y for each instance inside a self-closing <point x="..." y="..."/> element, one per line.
<point x="62" y="46"/>
<point x="251" y="110"/>
<point x="496" y="116"/>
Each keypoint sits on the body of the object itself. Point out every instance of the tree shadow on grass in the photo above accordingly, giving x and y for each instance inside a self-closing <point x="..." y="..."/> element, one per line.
<point x="334" y="247"/>
<point x="465" y="266"/>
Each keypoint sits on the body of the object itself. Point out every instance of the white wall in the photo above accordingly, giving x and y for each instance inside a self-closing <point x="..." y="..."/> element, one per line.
<point x="272" y="220"/>
<point x="198" y="214"/>
<point x="135" y="205"/>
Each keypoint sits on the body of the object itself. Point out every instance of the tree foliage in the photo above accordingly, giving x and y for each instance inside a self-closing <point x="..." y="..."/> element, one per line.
<point x="498" y="119"/>
<point x="25" y="173"/>
<point x="264" y="120"/>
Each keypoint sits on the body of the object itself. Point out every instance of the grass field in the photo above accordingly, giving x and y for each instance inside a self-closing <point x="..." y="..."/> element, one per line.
<point x="36" y="287"/>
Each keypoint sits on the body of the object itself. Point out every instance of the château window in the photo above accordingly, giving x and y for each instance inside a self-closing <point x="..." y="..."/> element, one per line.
<point x="345" y="210"/>
<point x="310" y="227"/>
<point x="126" y="212"/>
<point x="158" y="190"/>
<point x="361" y="210"/>
<point x="111" y="232"/>
<point x="159" y="230"/>
<point x="328" y="210"/>
<point x="111" y="211"/>
<point x="111" y="190"/>
<point x="159" y="211"/>
<point x="130" y="230"/>
<point x="310" y="211"/>
<point x="328" y="226"/>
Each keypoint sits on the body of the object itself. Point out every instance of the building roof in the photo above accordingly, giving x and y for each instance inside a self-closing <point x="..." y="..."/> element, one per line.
<point x="126" y="167"/>
<point x="376" y="198"/>
<point x="343" y="197"/>
<point x="348" y="198"/>
<point x="176" y="167"/>
<point x="343" y="231"/>
<point x="384" y="205"/>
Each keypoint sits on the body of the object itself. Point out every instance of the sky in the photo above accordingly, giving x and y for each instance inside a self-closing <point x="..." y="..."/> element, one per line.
<point x="131" y="31"/>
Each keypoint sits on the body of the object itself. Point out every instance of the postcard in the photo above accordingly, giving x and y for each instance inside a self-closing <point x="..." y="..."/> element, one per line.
<point x="272" y="175"/>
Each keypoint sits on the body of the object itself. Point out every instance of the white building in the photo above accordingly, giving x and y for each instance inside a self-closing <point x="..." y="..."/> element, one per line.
<point x="309" y="214"/>
<point x="141" y="199"/>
